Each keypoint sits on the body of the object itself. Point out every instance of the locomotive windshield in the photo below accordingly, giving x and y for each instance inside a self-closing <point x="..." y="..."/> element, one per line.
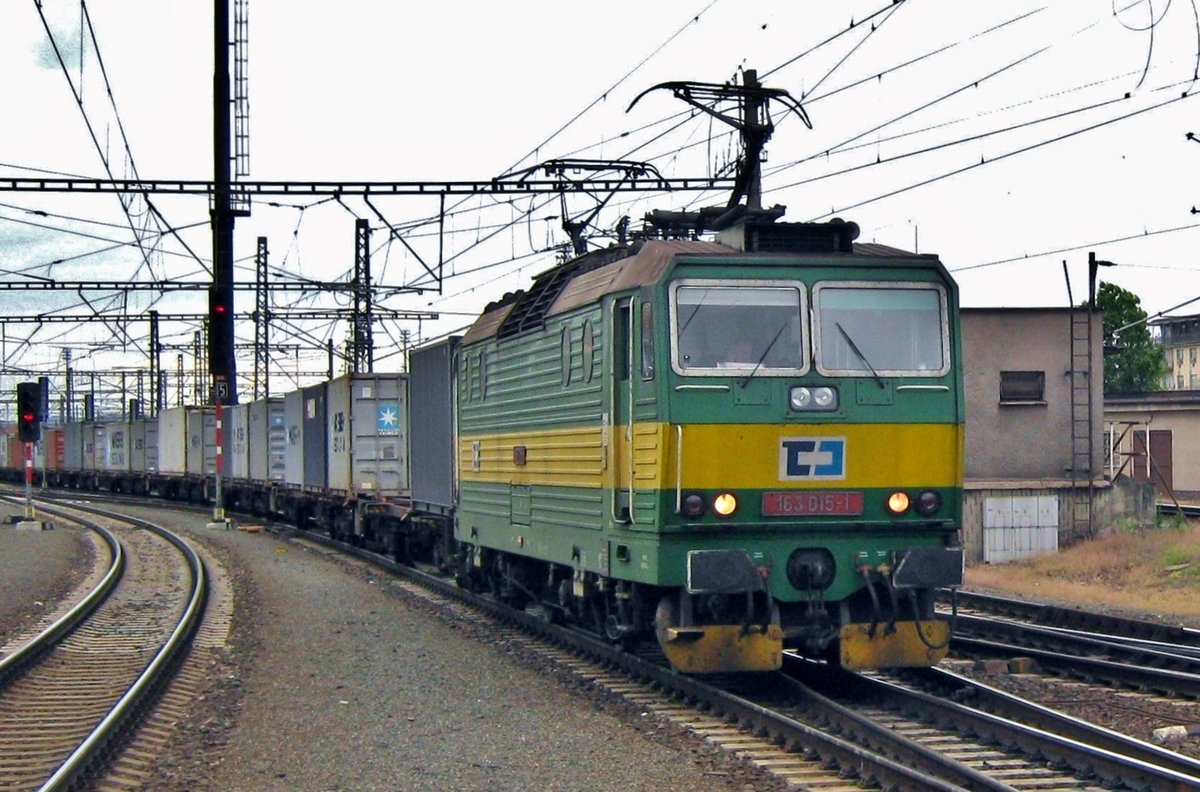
<point x="873" y="329"/>
<point x="733" y="330"/>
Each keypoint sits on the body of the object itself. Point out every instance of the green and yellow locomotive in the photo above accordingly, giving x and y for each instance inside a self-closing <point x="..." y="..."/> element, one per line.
<point x="737" y="446"/>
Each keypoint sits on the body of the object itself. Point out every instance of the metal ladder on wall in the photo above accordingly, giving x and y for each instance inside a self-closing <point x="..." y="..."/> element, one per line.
<point x="1082" y="423"/>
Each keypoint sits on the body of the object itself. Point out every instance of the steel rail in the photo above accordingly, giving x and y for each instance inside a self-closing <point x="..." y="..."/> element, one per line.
<point x="91" y="749"/>
<point x="1076" y="618"/>
<point x="952" y="686"/>
<point x="35" y="647"/>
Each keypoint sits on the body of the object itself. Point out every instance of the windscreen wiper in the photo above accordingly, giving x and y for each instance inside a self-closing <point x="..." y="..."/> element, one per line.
<point x="766" y="352"/>
<point x="857" y="351"/>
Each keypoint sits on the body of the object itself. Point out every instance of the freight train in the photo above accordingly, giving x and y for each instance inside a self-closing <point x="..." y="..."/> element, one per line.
<point x="737" y="447"/>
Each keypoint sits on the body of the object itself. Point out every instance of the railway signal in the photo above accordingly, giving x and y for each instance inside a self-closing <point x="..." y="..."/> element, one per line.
<point x="29" y="412"/>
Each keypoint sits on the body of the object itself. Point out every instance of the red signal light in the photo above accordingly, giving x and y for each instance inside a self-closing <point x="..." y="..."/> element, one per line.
<point x="219" y="308"/>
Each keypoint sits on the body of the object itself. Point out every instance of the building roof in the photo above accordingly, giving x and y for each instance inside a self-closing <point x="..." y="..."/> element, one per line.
<point x="1163" y="398"/>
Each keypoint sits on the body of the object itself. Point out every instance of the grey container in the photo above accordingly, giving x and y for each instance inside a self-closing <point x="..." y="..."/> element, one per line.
<point x="73" y="446"/>
<point x="367" y="434"/>
<point x="143" y="445"/>
<point x="431" y="429"/>
<point x="315" y="461"/>
<point x="173" y="441"/>
<point x="111" y="446"/>
<point x="293" y="448"/>
<point x="268" y="439"/>
<point x="201" y="441"/>
<point x="236" y="429"/>
<point x="88" y="437"/>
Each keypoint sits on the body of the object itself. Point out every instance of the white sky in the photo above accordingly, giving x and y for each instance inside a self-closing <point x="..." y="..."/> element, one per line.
<point x="384" y="91"/>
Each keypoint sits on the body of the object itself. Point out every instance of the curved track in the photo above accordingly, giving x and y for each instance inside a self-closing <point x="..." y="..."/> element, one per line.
<point x="69" y="693"/>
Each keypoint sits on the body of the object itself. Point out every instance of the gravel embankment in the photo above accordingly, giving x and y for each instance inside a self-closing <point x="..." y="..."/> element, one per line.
<point x="335" y="679"/>
<point x="37" y="569"/>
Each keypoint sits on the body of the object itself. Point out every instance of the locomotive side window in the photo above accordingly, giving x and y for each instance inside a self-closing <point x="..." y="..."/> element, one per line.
<point x="589" y="349"/>
<point x="877" y="329"/>
<point x="647" y="341"/>
<point x="735" y="329"/>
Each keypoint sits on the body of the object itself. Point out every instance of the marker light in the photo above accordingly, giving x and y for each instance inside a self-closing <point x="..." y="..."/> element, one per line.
<point x="928" y="502"/>
<point x="898" y="502"/>
<point x="724" y="504"/>
<point x="693" y="505"/>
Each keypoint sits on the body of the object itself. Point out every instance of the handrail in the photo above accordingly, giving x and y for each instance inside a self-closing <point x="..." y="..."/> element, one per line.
<point x="679" y="468"/>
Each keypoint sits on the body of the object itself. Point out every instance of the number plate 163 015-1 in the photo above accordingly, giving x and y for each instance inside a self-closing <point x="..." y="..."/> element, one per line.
<point x="787" y="504"/>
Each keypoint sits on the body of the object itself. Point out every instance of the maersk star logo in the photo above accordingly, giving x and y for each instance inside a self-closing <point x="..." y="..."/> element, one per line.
<point x="812" y="458"/>
<point x="389" y="420"/>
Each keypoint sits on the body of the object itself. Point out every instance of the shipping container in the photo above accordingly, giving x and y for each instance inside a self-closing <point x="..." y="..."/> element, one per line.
<point x="293" y="449"/>
<point x="54" y="441"/>
<point x="111" y="444"/>
<point x="268" y="438"/>
<point x="315" y="459"/>
<point x="202" y="441"/>
<point x="14" y="452"/>
<point x="235" y="425"/>
<point x="73" y="446"/>
<point x="143" y="445"/>
<point x="367" y="434"/>
<point x="431" y="424"/>
<point x="87" y="436"/>
<point x="172" y="441"/>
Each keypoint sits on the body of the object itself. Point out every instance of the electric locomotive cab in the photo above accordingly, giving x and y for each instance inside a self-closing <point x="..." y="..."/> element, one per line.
<point x="817" y="406"/>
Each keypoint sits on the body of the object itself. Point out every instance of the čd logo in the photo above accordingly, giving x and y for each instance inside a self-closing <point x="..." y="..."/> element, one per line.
<point x="812" y="458"/>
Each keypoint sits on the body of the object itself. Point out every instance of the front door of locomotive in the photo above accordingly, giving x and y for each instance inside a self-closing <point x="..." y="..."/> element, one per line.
<point x="634" y="433"/>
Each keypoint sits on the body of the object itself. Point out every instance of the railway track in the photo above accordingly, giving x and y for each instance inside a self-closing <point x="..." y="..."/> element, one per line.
<point x="909" y="733"/>
<point x="69" y="694"/>
<point x="782" y="724"/>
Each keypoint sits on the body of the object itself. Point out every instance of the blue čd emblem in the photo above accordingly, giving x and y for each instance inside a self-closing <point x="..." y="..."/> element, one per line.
<point x="812" y="458"/>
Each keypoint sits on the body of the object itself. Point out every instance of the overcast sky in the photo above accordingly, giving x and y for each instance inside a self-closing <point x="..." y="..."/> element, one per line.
<point x="1006" y="137"/>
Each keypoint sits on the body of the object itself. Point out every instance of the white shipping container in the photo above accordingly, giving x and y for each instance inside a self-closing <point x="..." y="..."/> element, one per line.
<point x="268" y="439"/>
<point x="293" y="449"/>
<point x="143" y="445"/>
<point x="367" y="434"/>
<point x="88" y="437"/>
<point x="236" y="427"/>
<point x="172" y="441"/>
<point x="201" y="441"/>
<point x="112" y="446"/>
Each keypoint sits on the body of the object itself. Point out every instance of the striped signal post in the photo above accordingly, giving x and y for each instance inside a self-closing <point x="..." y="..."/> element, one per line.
<point x="219" y="520"/>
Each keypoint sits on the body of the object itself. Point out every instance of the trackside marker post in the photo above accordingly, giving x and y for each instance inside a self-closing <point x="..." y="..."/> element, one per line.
<point x="219" y="519"/>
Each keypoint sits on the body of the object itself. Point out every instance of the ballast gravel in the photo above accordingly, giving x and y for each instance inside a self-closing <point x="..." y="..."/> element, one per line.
<point x="336" y="679"/>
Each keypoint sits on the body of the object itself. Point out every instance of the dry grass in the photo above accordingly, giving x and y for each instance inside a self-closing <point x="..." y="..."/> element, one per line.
<point x="1156" y="570"/>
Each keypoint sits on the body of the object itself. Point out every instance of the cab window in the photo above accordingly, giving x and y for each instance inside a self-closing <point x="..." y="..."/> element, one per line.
<point x="881" y="328"/>
<point x="737" y="329"/>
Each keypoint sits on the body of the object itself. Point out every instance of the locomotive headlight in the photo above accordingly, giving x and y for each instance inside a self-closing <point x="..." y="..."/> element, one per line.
<point x="801" y="398"/>
<point x="693" y="505"/>
<point x="898" y="502"/>
<point x="725" y="504"/>
<point x="928" y="502"/>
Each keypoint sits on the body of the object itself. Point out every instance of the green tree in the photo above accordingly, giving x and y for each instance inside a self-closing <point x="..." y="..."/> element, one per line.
<point x="1138" y="364"/>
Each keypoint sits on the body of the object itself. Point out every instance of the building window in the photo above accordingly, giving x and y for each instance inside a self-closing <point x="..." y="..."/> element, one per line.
<point x="1192" y="355"/>
<point x="1179" y="358"/>
<point x="1022" y="387"/>
<point x="1179" y="382"/>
